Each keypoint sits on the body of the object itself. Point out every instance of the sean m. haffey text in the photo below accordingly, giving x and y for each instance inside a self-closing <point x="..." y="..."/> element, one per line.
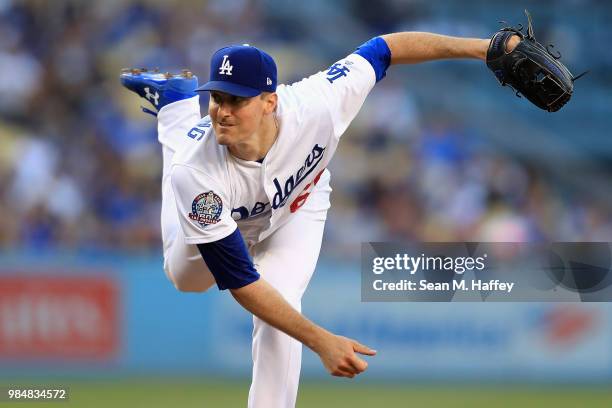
<point x="412" y="264"/>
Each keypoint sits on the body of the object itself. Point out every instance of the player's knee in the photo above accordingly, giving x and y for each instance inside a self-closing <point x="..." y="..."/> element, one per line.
<point x="190" y="287"/>
<point x="184" y="282"/>
<point x="189" y="284"/>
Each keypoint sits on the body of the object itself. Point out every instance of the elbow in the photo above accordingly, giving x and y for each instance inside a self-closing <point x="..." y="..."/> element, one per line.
<point x="245" y="294"/>
<point x="392" y="46"/>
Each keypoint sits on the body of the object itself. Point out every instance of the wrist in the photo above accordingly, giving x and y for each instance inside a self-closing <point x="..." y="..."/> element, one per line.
<point x="483" y="49"/>
<point x="318" y="338"/>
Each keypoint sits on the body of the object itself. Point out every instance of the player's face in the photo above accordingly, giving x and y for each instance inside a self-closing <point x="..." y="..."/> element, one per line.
<point x="235" y="119"/>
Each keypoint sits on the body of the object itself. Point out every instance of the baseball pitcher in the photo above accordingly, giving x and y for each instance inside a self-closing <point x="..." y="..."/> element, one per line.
<point x="245" y="190"/>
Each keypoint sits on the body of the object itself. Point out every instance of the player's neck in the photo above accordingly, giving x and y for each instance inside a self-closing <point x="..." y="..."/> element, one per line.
<point x="256" y="147"/>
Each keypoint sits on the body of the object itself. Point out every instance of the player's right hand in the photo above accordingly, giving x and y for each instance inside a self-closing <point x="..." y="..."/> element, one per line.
<point x="339" y="357"/>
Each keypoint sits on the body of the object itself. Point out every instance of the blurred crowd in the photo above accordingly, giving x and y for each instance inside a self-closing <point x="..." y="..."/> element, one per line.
<point x="80" y="165"/>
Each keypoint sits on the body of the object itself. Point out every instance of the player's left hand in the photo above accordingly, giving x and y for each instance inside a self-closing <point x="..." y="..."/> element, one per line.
<point x="339" y="357"/>
<point x="530" y="68"/>
<point x="512" y="43"/>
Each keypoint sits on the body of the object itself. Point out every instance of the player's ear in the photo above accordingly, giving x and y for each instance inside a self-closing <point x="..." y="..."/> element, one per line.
<point x="270" y="101"/>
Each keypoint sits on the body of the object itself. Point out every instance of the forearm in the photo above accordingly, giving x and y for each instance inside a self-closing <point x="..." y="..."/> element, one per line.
<point x="261" y="299"/>
<point x="415" y="47"/>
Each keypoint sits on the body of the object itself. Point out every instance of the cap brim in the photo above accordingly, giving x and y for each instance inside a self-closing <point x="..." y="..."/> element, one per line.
<point x="229" y="88"/>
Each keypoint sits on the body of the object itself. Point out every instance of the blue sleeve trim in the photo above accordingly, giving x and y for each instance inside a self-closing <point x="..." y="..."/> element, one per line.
<point x="378" y="54"/>
<point x="228" y="260"/>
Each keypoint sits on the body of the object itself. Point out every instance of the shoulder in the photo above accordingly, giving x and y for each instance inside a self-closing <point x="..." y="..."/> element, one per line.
<point x="204" y="154"/>
<point x="193" y="185"/>
<point x="199" y="170"/>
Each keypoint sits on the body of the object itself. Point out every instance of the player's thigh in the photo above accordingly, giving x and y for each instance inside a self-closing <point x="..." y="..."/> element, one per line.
<point x="287" y="258"/>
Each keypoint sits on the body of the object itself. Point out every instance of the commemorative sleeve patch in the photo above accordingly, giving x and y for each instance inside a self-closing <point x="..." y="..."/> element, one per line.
<point x="206" y="209"/>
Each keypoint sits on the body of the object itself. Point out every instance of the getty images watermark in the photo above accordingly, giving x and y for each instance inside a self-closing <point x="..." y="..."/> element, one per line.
<point x="477" y="272"/>
<point x="413" y="264"/>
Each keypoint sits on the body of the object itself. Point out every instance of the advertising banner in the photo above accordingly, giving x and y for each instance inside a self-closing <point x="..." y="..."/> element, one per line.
<point x="58" y="317"/>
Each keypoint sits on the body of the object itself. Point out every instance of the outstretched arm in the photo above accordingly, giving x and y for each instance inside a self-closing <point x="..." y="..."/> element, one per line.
<point x="415" y="47"/>
<point x="228" y="260"/>
<point x="336" y="352"/>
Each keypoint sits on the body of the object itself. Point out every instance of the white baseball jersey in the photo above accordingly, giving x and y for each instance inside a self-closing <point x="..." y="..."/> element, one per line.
<point x="206" y="192"/>
<point x="215" y="192"/>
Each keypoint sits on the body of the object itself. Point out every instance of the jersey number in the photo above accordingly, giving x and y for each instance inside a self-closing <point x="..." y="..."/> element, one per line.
<point x="301" y="199"/>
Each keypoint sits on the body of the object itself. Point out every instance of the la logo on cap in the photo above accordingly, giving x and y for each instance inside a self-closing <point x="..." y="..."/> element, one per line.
<point x="268" y="81"/>
<point x="226" y="67"/>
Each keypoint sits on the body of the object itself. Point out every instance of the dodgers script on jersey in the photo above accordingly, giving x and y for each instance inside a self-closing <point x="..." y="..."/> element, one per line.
<point x="216" y="192"/>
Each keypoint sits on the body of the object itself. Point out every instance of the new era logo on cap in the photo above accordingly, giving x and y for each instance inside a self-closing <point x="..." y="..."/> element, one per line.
<point x="241" y="70"/>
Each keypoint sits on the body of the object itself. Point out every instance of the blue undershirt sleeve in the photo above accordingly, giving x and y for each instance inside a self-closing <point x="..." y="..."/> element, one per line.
<point x="228" y="260"/>
<point x="377" y="53"/>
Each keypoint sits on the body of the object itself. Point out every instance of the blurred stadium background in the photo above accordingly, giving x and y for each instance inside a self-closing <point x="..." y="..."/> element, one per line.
<point x="439" y="152"/>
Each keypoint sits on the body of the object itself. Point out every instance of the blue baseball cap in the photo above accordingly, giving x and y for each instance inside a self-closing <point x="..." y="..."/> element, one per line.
<point x="241" y="70"/>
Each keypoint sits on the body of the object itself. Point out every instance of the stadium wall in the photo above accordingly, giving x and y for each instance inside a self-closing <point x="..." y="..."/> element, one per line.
<point x="116" y="314"/>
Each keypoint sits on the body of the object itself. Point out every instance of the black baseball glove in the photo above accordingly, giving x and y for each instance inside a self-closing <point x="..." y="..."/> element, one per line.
<point x="531" y="69"/>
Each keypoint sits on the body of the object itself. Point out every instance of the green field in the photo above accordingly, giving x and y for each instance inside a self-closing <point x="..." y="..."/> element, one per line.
<point x="191" y="393"/>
